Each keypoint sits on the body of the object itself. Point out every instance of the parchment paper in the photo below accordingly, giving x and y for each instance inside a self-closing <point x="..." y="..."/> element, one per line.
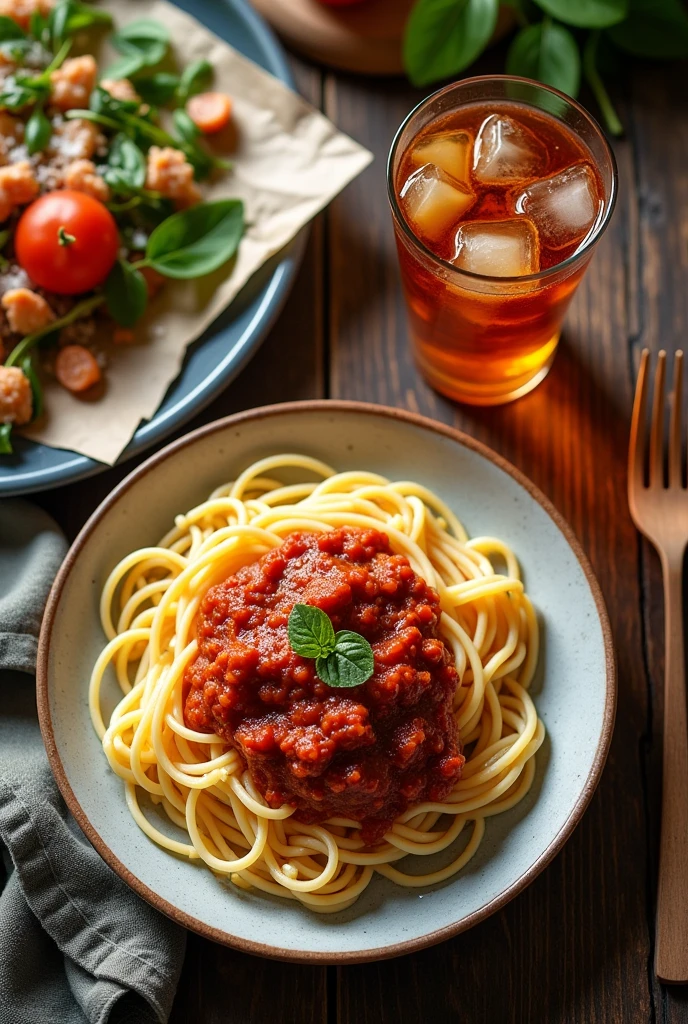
<point x="289" y="162"/>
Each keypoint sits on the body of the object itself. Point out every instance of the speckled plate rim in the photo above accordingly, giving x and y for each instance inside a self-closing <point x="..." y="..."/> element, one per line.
<point x="274" y="951"/>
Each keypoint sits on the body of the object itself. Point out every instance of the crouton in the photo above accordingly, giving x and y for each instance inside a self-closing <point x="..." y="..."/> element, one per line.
<point x="16" y="400"/>
<point x="72" y="84"/>
<point x="18" y="186"/>
<point x="82" y="177"/>
<point x="169" y="173"/>
<point x="26" y="311"/>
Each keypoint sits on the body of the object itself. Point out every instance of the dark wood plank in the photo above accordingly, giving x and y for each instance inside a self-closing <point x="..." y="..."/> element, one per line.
<point x="575" y="946"/>
<point x="660" y="128"/>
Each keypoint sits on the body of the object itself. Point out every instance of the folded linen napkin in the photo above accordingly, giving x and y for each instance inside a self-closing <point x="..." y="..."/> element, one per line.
<point x="76" y="944"/>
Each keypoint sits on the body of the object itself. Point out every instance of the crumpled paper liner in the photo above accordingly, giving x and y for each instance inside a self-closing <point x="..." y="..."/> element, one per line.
<point x="289" y="162"/>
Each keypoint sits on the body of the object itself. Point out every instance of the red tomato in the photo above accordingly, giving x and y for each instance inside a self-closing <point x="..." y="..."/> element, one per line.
<point x="67" y="242"/>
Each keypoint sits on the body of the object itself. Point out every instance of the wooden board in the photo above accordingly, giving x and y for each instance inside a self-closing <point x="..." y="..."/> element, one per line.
<point x="364" y="37"/>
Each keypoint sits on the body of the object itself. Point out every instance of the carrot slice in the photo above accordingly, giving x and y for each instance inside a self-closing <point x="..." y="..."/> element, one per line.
<point x="76" y="368"/>
<point x="210" y="111"/>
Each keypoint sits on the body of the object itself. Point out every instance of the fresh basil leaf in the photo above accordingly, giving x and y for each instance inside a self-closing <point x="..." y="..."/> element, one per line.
<point x="196" y="77"/>
<point x="29" y="370"/>
<point x="443" y="37"/>
<point x="39" y="29"/>
<point x="126" y="164"/>
<point x="310" y="631"/>
<point x="196" y="241"/>
<point x="38" y="131"/>
<point x="10" y="30"/>
<point x="157" y="89"/>
<point x="186" y="128"/>
<point x="126" y="294"/>
<point x="126" y="66"/>
<point x="5" y="439"/>
<point x="654" y="29"/>
<point x="17" y="95"/>
<point x="144" y="38"/>
<point x="587" y="13"/>
<point x="351" y="663"/>
<point x="70" y="16"/>
<point x="547" y="52"/>
<point x="101" y="102"/>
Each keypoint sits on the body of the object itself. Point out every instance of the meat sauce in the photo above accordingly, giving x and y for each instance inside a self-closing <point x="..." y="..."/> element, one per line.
<point x="365" y="753"/>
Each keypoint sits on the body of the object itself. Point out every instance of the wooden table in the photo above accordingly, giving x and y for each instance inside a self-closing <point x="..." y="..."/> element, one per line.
<point x="577" y="945"/>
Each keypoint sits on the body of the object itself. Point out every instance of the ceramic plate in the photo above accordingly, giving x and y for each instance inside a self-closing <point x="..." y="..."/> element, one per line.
<point x="216" y="358"/>
<point x="574" y="690"/>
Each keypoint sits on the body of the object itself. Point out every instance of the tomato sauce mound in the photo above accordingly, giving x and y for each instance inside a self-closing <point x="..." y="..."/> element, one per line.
<point x="366" y="752"/>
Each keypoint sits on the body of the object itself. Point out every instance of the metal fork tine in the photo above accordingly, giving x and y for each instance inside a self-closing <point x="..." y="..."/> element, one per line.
<point x="657" y="428"/>
<point x="636" y="451"/>
<point x="675" y="440"/>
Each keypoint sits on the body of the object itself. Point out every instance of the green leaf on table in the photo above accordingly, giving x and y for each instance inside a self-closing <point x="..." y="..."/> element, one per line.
<point x="126" y="164"/>
<point x="587" y="13"/>
<point x="38" y="131"/>
<point x="548" y="53"/>
<point x="351" y="663"/>
<point x="196" y="77"/>
<point x="186" y="128"/>
<point x="196" y="241"/>
<point x="157" y="89"/>
<point x="654" y="29"/>
<point x="443" y="37"/>
<point x="310" y="631"/>
<point x="126" y="294"/>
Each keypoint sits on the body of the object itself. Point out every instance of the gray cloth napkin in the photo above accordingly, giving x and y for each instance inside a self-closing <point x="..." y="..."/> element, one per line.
<point x="76" y="944"/>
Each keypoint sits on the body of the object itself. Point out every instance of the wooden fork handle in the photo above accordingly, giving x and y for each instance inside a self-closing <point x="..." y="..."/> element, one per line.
<point x="671" y="962"/>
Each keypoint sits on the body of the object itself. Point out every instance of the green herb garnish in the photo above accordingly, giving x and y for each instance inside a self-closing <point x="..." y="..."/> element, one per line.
<point x="443" y="37"/>
<point x="197" y="241"/>
<point x="342" y="659"/>
<point x="126" y="294"/>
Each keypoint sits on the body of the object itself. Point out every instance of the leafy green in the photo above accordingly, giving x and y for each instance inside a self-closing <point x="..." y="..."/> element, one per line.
<point x="142" y="43"/>
<point x="196" y="77"/>
<point x="10" y="30"/>
<point x="38" y="131"/>
<point x="126" y="294"/>
<point x="655" y="29"/>
<point x="186" y="128"/>
<point x="29" y="370"/>
<point x="598" y="87"/>
<point x="547" y="52"/>
<point x="158" y="88"/>
<point x="443" y="37"/>
<point x="587" y="13"/>
<point x="351" y="663"/>
<point x="196" y="241"/>
<point x="5" y="439"/>
<point x="342" y="659"/>
<point x="310" y="631"/>
<point x="126" y="164"/>
<point x="70" y="16"/>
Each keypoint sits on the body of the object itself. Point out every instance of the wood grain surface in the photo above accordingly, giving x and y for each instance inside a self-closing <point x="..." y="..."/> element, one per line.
<point x="577" y="946"/>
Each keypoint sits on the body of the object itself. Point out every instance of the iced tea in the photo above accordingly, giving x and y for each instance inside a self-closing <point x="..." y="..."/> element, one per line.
<point x="497" y="205"/>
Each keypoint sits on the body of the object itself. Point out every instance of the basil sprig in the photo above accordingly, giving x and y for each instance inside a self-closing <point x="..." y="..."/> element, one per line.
<point x="443" y="37"/>
<point x="142" y="43"/>
<point x="342" y="659"/>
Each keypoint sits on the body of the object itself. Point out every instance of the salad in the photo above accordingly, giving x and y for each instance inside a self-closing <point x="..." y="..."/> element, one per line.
<point x="101" y="197"/>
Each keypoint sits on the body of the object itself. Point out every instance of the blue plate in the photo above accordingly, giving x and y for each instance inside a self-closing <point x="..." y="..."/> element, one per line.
<point x="218" y="356"/>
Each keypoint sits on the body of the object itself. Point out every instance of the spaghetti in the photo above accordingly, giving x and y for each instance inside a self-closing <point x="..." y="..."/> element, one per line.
<point x="149" y="608"/>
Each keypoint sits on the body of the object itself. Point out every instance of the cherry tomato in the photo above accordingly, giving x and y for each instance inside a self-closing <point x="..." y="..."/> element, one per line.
<point x="67" y="242"/>
<point x="210" y="111"/>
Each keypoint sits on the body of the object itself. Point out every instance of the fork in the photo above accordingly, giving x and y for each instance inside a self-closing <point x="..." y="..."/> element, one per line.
<point x="660" y="511"/>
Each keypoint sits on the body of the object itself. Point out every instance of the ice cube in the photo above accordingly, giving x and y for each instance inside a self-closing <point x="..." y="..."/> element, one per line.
<point x="506" y="151"/>
<point x="497" y="248"/>
<point x="450" y="151"/>
<point x="434" y="202"/>
<point x="564" y="207"/>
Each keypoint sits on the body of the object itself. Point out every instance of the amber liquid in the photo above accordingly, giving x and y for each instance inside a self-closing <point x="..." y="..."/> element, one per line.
<point x="486" y="342"/>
